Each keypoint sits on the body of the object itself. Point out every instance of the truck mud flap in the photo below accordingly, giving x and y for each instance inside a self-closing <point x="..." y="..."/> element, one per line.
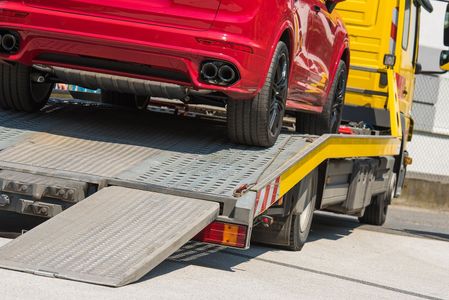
<point x="112" y="238"/>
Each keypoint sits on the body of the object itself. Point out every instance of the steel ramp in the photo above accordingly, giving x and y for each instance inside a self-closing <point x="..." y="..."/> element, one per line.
<point x="112" y="238"/>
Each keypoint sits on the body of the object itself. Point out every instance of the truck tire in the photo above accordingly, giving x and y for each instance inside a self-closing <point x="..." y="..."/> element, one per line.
<point x="19" y="92"/>
<point x="330" y="119"/>
<point x="301" y="221"/>
<point x="376" y="213"/>
<point x="258" y="122"/>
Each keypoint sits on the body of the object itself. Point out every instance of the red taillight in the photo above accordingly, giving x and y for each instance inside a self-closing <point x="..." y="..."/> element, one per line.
<point x="226" y="234"/>
<point x="224" y="44"/>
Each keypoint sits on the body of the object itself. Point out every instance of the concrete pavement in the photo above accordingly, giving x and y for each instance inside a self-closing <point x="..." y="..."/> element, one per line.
<point x="343" y="260"/>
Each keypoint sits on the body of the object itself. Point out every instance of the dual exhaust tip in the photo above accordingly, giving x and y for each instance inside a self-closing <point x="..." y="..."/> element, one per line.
<point x="9" y="42"/>
<point x="220" y="73"/>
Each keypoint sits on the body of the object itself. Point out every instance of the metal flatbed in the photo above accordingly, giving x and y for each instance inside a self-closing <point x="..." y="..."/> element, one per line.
<point x="171" y="157"/>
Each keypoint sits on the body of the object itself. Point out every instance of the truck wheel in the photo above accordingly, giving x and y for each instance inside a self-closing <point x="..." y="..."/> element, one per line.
<point x="258" y="122"/>
<point x="376" y="213"/>
<point x="19" y="92"/>
<point x="330" y="119"/>
<point x="301" y="220"/>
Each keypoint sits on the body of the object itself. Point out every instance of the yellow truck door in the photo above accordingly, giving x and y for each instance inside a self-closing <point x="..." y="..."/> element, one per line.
<point x="369" y="23"/>
<point x="406" y="54"/>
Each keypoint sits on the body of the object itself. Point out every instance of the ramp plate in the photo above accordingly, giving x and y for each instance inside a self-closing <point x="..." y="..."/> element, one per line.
<point x="112" y="238"/>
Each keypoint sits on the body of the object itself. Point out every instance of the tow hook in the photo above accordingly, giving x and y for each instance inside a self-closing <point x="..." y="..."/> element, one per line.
<point x="265" y="221"/>
<point x="241" y="190"/>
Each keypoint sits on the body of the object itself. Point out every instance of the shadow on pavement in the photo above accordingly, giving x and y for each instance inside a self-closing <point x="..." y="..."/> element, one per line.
<point x="428" y="234"/>
<point x="332" y="227"/>
<point x="325" y="226"/>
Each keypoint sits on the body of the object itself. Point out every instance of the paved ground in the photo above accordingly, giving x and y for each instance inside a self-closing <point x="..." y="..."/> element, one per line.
<point x="406" y="259"/>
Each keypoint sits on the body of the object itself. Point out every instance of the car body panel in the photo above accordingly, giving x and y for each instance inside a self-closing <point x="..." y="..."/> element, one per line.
<point x="193" y="14"/>
<point x="171" y="43"/>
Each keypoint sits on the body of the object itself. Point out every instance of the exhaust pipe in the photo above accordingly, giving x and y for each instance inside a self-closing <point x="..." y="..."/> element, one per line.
<point x="9" y="42"/>
<point x="209" y="71"/>
<point x="226" y="74"/>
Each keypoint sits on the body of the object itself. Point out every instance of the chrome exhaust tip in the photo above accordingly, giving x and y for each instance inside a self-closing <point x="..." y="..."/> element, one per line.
<point x="226" y="74"/>
<point x="218" y="72"/>
<point x="9" y="42"/>
<point x="209" y="71"/>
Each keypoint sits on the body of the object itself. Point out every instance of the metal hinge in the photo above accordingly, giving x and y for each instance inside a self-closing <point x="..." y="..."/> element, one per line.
<point x="45" y="273"/>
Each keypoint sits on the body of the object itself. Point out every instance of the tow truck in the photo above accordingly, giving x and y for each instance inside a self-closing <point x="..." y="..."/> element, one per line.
<point x="123" y="190"/>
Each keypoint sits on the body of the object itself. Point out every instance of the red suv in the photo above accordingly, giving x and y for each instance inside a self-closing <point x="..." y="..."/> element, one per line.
<point x="257" y="58"/>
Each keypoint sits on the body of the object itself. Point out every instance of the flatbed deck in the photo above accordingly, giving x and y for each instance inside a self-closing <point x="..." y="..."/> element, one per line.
<point x="155" y="151"/>
<point x="77" y="151"/>
<point x="162" y="153"/>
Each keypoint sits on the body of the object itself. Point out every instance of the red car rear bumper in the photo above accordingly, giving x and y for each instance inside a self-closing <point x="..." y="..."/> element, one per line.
<point x="175" y="55"/>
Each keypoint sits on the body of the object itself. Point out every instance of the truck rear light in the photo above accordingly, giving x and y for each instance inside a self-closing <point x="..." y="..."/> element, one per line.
<point x="225" y="234"/>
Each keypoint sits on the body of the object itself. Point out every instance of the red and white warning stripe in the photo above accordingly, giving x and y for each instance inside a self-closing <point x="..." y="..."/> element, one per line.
<point x="267" y="197"/>
<point x="394" y="31"/>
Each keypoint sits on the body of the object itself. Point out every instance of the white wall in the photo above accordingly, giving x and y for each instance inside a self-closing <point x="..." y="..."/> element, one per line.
<point x="431" y="108"/>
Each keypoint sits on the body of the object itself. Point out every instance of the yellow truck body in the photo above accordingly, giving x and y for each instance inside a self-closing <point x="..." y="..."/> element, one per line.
<point x="382" y="32"/>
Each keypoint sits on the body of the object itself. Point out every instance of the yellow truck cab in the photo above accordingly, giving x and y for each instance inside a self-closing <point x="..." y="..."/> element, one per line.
<point x="384" y="37"/>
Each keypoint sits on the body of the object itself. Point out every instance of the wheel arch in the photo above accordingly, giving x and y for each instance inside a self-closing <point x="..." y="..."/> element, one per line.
<point x="286" y="35"/>
<point x="287" y="38"/>
<point x="341" y="53"/>
<point x="346" y="57"/>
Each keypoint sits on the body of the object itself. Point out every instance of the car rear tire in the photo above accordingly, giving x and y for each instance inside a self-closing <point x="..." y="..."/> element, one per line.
<point x="19" y="92"/>
<point x="258" y="122"/>
<point x="330" y="119"/>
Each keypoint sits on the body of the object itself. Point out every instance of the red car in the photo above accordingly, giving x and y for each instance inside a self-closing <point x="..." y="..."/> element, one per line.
<point x="256" y="58"/>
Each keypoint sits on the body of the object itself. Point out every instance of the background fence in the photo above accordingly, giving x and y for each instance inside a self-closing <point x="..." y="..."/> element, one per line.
<point x="430" y="145"/>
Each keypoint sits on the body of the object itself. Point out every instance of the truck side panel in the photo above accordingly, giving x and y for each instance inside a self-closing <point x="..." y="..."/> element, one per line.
<point x="369" y="23"/>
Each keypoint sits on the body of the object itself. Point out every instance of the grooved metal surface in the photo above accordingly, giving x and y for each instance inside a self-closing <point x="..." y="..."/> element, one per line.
<point x="75" y="155"/>
<point x="112" y="238"/>
<point x="137" y="147"/>
<point x="215" y="168"/>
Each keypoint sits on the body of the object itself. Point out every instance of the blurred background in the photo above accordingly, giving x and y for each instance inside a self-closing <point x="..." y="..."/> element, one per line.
<point x="428" y="176"/>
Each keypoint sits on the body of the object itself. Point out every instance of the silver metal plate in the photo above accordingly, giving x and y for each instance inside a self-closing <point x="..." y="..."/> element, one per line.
<point x="98" y="143"/>
<point x="112" y="238"/>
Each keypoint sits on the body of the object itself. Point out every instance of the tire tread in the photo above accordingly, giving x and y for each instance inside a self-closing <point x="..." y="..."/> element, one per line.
<point x="319" y="124"/>
<point x="16" y="89"/>
<point x="248" y="119"/>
